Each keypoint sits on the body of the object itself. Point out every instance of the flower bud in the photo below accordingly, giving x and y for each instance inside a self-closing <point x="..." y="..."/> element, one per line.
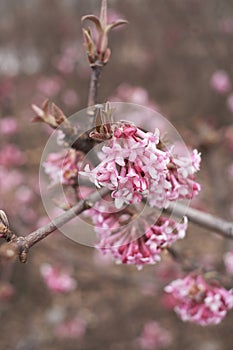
<point x="97" y="49"/>
<point x="4" y="224"/>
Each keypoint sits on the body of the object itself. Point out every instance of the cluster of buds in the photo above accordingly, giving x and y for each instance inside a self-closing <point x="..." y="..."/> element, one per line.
<point x="133" y="164"/>
<point x="63" y="167"/>
<point x="96" y="45"/>
<point x="154" y="337"/>
<point x="57" y="280"/>
<point x="136" y="164"/>
<point x="132" y="239"/>
<point x="199" y="302"/>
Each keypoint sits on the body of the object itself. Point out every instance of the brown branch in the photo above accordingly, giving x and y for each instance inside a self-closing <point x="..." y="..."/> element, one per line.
<point x="21" y="245"/>
<point x="208" y="221"/>
<point x="96" y="69"/>
<point x="84" y="142"/>
<point x="186" y="262"/>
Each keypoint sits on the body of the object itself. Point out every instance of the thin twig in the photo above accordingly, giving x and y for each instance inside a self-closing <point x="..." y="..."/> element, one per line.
<point x="206" y="220"/>
<point x="93" y="90"/>
<point x="21" y="245"/>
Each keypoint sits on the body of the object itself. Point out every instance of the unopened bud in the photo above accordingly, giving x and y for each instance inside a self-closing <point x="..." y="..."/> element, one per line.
<point x="97" y="49"/>
<point x="4" y="224"/>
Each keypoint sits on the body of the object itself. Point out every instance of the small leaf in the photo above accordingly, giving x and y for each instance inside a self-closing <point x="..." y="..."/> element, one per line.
<point x="95" y="20"/>
<point x="58" y="114"/>
<point x="88" y="42"/>
<point x="39" y="112"/>
<point x="113" y="25"/>
<point x="45" y="106"/>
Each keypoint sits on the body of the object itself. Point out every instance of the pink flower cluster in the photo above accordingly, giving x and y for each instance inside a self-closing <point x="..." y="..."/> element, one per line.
<point x="6" y="291"/>
<point x="135" y="165"/>
<point x="199" y="302"/>
<point x="154" y="337"/>
<point x="8" y="126"/>
<point x="136" y="242"/>
<point x="63" y="167"/>
<point x="220" y="81"/>
<point x="11" y="155"/>
<point x="65" y="63"/>
<point x="57" y="280"/>
<point x="73" y="329"/>
<point x="49" y="86"/>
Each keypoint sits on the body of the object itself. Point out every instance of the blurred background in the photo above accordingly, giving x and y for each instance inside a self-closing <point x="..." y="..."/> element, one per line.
<point x="174" y="56"/>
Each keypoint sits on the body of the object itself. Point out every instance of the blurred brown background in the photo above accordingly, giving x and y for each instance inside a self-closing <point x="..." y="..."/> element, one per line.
<point x="171" y="49"/>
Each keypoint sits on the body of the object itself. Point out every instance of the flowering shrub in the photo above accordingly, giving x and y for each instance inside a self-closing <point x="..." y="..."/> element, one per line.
<point x="133" y="169"/>
<point x="64" y="167"/>
<point x="133" y="165"/>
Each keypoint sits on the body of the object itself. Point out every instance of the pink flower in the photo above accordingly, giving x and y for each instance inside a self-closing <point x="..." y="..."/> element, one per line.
<point x="24" y="195"/>
<point x="73" y="329"/>
<point x="6" y="291"/>
<point x="220" y="81"/>
<point x="168" y="301"/>
<point x="135" y="242"/>
<point x="199" y="302"/>
<point x="63" y="167"/>
<point x="9" y="179"/>
<point x="135" y="165"/>
<point x="70" y="98"/>
<point x="65" y="63"/>
<point x="181" y="176"/>
<point x="228" y="261"/>
<point x="8" y="126"/>
<point x="49" y="86"/>
<point x="154" y="336"/>
<point x="226" y="25"/>
<point x="11" y="155"/>
<point x="57" y="281"/>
